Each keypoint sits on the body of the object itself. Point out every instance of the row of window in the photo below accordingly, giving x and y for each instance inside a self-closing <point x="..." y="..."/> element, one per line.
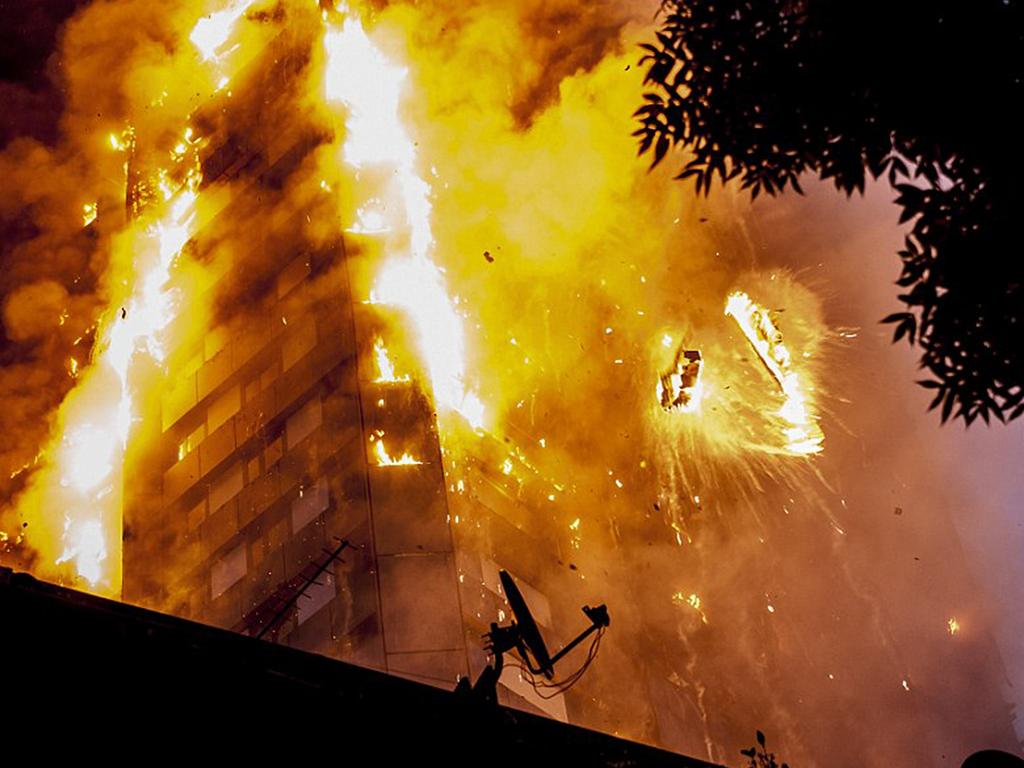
<point x="244" y="472"/>
<point x="230" y="402"/>
<point x="308" y="504"/>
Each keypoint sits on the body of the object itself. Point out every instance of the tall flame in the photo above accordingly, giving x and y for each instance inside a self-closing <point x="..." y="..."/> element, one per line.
<point x="74" y="497"/>
<point x="84" y="475"/>
<point x="360" y="77"/>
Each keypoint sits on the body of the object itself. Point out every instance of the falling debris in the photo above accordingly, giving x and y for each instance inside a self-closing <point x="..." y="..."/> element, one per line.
<point x="679" y="388"/>
<point x="803" y="435"/>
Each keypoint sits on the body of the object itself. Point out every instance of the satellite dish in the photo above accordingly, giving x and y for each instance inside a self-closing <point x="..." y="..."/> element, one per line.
<point x="524" y="636"/>
<point x="530" y="641"/>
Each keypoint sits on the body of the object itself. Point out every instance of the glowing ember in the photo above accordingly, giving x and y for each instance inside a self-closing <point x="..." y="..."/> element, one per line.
<point x="803" y="435"/>
<point x="953" y="625"/>
<point x="385" y="368"/>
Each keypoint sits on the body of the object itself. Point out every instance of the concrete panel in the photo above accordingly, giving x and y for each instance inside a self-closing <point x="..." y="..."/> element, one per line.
<point x="409" y="509"/>
<point x="440" y="668"/>
<point x="419" y="603"/>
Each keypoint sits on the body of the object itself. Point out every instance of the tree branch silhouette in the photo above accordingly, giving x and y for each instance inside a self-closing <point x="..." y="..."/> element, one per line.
<point x="918" y="93"/>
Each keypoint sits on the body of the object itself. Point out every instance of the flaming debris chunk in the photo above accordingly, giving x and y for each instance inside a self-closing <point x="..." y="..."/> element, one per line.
<point x="88" y="214"/>
<point x="803" y="435"/>
<point x="679" y="388"/>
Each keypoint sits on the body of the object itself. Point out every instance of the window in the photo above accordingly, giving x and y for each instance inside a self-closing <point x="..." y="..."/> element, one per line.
<point x="292" y="275"/>
<point x="227" y="571"/>
<point x="223" y="408"/>
<point x="273" y="453"/>
<point x="317" y="596"/>
<point x="196" y="515"/>
<point x="214" y="342"/>
<point x="311" y="502"/>
<point x="190" y="443"/>
<point x="303" y="422"/>
<point x="269" y="375"/>
<point x="193" y="365"/>
<point x="301" y="342"/>
<point x="226" y="486"/>
<point x="252" y="389"/>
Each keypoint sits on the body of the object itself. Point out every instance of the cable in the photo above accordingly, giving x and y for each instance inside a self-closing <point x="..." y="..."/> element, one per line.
<point x="564" y="685"/>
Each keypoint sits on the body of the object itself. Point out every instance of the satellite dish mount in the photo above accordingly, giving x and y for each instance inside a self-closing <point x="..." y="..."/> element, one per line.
<point x="523" y="636"/>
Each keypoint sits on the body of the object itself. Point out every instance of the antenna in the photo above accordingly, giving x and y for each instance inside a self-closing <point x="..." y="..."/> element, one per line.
<point x="270" y="616"/>
<point x="524" y="636"/>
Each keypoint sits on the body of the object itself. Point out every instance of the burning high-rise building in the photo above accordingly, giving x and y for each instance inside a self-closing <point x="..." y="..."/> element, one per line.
<point x="290" y="483"/>
<point x="387" y="312"/>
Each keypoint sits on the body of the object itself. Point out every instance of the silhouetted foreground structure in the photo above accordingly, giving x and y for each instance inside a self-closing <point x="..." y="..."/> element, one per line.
<point x="146" y="675"/>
